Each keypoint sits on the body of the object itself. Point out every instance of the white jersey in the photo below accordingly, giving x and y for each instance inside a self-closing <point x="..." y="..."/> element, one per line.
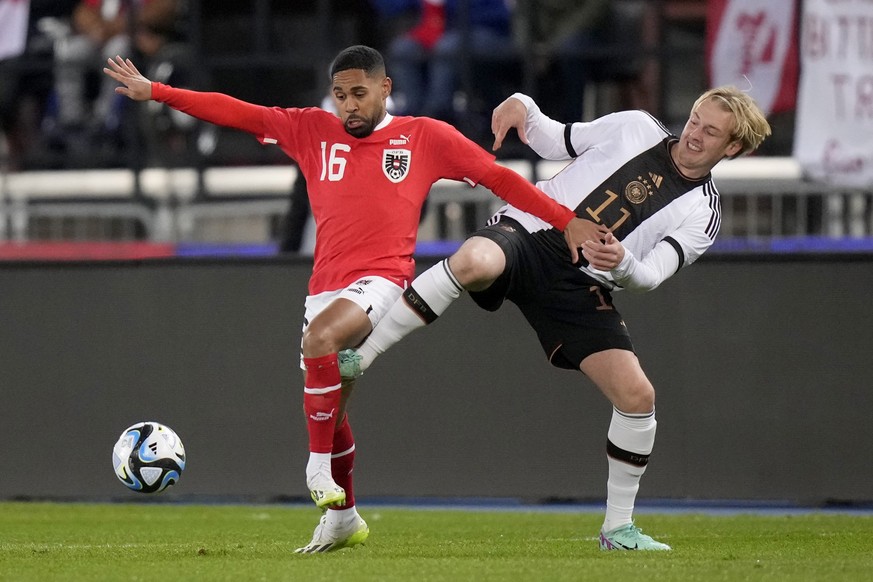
<point x="622" y="176"/>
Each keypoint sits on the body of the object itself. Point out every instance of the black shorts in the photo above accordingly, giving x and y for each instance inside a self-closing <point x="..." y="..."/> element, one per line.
<point x="572" y="313"/>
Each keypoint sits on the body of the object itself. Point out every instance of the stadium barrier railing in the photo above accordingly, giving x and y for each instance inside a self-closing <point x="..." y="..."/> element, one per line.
<point x="762" y="198"/>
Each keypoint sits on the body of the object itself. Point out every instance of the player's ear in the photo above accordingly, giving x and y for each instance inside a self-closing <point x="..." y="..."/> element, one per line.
<point x="734" y="148"/>
<point x="387" y="84"/>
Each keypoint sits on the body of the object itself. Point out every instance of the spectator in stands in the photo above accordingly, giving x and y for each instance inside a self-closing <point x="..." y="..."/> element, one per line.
<point x="171" y="138"/>
<point x="563" y="37"/>
<point x="25" y="80"/>
<point x="13" y="27"/>
<point x="386" y="20"/>
<point x="13" y="39"/>
<point x="426" y="61"/>
<point x="99" y="29"/>
<point x="574" y="43"/>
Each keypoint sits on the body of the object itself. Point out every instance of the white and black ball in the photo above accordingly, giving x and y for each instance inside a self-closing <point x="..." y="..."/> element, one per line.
<point x="148" y="457"/>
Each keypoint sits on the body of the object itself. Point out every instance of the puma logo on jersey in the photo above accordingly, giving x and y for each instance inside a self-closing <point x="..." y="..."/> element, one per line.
<point x="402" y="140"/>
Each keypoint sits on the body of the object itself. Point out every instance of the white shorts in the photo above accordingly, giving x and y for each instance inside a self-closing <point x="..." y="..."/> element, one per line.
<point x="375" y="295"/>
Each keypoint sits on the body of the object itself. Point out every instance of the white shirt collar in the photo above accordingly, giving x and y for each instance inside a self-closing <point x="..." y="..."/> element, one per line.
<point x="384" y="122"/>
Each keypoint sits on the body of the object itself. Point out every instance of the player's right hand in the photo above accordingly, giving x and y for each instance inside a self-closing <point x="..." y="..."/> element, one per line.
<point x="136" y="86"/>
<point x="580" y="231"/>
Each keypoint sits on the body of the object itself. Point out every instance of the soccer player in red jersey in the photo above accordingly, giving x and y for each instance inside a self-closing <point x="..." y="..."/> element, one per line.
<point x="368" y="174"/>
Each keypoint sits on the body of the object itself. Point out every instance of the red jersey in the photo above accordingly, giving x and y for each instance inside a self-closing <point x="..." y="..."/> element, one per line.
<point x="366" y="193"/>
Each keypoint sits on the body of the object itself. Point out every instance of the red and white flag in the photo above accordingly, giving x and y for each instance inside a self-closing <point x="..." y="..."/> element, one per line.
<point x="753" y="43"/>
<point x="13" y="27"/>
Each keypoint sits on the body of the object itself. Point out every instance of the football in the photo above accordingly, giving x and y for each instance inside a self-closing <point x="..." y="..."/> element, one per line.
<point x="148" y="457"/>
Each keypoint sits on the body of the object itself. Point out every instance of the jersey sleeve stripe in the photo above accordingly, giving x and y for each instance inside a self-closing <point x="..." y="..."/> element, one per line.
<point x="568" y="142"/>
<point x="679" y="251"/>
<point x="715" y="206"/>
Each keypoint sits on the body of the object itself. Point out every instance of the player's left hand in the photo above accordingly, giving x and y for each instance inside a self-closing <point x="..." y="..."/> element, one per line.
<point x="605" y="255"/>
<point x="580" y="230"/>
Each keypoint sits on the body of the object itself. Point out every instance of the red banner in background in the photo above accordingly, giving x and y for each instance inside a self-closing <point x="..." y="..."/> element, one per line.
<point x="84" y="251"/>
<point x="753" y="44"/>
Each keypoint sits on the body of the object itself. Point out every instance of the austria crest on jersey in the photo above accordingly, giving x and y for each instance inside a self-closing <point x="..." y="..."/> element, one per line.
<point x="395" y="164"/>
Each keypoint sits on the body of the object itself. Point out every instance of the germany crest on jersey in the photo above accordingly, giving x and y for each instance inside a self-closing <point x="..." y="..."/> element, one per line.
<point x="395" y="164"/>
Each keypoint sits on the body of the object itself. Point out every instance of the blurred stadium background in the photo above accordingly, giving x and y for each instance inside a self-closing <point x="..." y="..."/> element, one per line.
<point x="761" y="353"/>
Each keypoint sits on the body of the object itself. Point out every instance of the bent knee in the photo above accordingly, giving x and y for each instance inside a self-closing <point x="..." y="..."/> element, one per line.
<point x="318" y="341"/>
<point x="636" y="399"/>
<point x="477" y="263"/>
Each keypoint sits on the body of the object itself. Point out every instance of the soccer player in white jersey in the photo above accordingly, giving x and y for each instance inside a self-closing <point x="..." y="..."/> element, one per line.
<point x="367" y="174"/>
<point x="654" y="193"/>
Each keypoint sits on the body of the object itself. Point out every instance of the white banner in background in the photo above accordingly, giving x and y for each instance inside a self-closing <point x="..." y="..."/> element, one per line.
<point x="833" y="141"/>
<point x="13" y="27"/>
<point x="751" y="44"/>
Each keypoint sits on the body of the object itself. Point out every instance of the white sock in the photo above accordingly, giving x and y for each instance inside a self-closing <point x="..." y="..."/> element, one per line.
<point x="631" y="438"/>
<point x="340" y="518"/>
<point x="318" y="466"/>
<point x="437" y="287"/>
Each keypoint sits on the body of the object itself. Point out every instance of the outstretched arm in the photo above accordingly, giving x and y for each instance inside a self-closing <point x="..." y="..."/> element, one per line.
<point x="215" y="108"/>
<point x="542" y="133"/>
<point x="525" y="196"/>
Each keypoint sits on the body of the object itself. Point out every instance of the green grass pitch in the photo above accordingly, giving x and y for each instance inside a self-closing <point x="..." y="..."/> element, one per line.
<point x="157" y="541"/>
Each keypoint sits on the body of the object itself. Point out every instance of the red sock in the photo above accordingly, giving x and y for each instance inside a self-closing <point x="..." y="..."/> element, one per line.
<point x="342" y="462"/>
<point x="321" y="400"/>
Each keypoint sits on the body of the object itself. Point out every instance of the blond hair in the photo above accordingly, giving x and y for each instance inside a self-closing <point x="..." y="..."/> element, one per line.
<point x="750" y="123"/>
